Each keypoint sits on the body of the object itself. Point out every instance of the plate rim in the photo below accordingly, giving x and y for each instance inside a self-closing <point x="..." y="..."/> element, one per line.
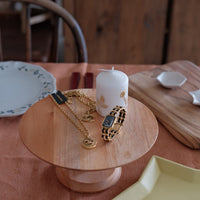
<point x="16" y="64"/>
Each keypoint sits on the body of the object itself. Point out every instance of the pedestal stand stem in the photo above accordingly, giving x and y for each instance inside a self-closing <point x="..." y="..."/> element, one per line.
<point x="88" y="181"/>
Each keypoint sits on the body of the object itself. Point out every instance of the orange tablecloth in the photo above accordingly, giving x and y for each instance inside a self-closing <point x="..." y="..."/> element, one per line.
<point x="24" y="176"/>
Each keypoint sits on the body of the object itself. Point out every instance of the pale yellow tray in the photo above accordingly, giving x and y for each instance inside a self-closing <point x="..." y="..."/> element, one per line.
<point x="163" y="180"/>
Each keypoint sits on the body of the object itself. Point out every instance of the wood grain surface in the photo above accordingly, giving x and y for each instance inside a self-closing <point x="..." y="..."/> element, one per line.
<point x="120" y="31"/>
<point x="173" y="107"/>
<point x="184" y="32"/>
<point x="49" y="135"/>
<point x="88" y="181"/>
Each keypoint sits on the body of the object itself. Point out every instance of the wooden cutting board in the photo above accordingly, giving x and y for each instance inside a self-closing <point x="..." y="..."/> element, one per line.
<point x="172" y="107"/>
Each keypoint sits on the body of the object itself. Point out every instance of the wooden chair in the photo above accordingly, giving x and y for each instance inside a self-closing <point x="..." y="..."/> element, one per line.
<point x="1" y="52"/>
<point x="58" y="12"/>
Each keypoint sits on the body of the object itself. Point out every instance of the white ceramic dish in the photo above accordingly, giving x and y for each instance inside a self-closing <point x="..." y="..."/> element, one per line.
<point x="21" y="85"/>
<point x="171" y="79"/>
<point x="196" y="97"/>
<point x="163" y="180"/>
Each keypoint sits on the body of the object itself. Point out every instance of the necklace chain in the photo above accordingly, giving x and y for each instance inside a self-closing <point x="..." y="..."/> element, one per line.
<point x="87" y="117"/>
<point x="88" y="142"/>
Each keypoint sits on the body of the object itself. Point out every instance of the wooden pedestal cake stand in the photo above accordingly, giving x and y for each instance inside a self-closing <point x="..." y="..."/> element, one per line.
<point x="48" y="134"/>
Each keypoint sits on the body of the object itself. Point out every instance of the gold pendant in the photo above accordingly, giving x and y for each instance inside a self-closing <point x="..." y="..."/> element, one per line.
<point x="89" y="143"/>
<point x="87" y="118"/>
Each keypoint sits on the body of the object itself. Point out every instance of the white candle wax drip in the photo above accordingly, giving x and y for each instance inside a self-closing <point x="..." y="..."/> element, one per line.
<point x="111" y="90"/>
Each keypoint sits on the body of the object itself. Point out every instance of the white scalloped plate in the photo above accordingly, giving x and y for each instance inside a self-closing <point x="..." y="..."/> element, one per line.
<point x="163" y="179"/>
<point x="21" y="85"/>
<point x="171" y="79"/>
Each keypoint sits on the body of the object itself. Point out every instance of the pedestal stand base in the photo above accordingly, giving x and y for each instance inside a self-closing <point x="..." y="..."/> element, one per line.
<point x="88" y="181"/>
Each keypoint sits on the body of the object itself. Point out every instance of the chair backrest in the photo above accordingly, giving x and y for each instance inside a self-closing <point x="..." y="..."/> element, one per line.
<point x="1" y="52"/>
<point x="59" y="12"/>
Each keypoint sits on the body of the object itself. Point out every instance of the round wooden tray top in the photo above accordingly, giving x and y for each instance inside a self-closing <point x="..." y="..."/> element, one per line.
<point x="48" y="134"/>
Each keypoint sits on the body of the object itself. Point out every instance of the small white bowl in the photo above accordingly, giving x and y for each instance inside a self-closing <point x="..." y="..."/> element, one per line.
<point x="171" y="79"/>
<point x="196" y="96"/>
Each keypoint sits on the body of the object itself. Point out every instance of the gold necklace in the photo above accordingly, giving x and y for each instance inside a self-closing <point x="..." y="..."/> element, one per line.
<point x="87" y="117"/>
<point x="59" y="99"/>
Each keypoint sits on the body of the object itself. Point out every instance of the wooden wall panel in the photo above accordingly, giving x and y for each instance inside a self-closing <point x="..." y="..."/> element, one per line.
<point x="184" y="41"/>
<point x="141" y="31"/>
<point x="99" y="22"/>
<point x="122" y="31"/>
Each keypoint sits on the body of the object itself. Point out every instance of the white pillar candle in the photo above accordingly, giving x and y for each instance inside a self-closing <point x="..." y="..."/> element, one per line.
<point x="111" y="90"/>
